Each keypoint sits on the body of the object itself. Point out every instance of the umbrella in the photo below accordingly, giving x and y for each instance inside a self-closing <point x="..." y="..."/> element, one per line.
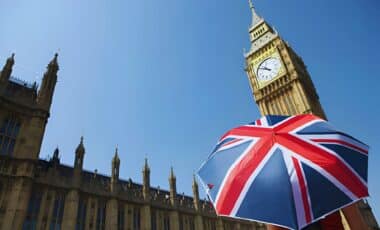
<point x="287" y="171"/>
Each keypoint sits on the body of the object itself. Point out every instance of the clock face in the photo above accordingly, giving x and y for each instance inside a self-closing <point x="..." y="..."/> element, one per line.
<point x="268" y="69"/>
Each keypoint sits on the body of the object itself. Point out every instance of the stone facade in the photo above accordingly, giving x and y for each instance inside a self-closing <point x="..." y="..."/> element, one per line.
<point x="45" y="194"/>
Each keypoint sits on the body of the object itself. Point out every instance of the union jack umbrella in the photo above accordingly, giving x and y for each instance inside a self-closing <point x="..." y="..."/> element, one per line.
<point x="287" y="171"/>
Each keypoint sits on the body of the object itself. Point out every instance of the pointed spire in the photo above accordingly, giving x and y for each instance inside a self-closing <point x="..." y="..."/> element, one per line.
<point x="195" y="194"/>
<point x="5" y="74"/>
<point x="80" y="149"/>
<point x="115" y="171"/>
<point x="173" y="187"/>
<point x="116" y="158"/>
<point x="146" y="180"/>
<point x="172" y="176"/>
<point x="46" y="91"/>
<point x="146" y="165"/>
<point x="10" y="61"/>
<point x="255" y="17"/>
<point x="195" y="184"/>
<point x="53" y="64"/>
<point x="55" y="158"/>
<point x="56" y="153"/>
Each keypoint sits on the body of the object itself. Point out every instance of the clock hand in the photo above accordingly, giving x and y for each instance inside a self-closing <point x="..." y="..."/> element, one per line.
<point x="265" y="68"/>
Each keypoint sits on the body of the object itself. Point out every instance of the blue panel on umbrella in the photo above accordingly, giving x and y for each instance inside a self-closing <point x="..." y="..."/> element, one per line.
<point x="324" y="195"/>
<point x="273" y="119"/>
<point x="318" y="128"/>
<point x="358" y="161"/>
<point x="214" y="171"/>
<point x="270" y="197"/>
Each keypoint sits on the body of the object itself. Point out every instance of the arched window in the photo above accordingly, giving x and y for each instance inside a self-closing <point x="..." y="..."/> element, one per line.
<point x="8" y="133"/>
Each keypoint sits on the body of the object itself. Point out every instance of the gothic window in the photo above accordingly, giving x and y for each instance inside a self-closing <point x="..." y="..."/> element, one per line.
<point x="166" y="222"/>
<point x="30" y="221"/>
<point x="81" y="214"/>
<point x="181" y="220"/>
<point x="153" y="220"/>
<point x="101" y="216"/>
<point x="210" y="224"/>
<point x="57" y="216"/>
<point x="8" y="134"/>
<point x="136" y="218"/>
<point x="120" y="217"/>
<point x="191" y="223"/>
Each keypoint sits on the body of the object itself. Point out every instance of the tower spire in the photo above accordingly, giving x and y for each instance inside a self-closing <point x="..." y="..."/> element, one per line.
<point x="255" y="17"/>
<point x="146" y="180"/>
<point x="115" y="170"/>
<point x="5" y="74"/>
<point x="173" y="187"/>
<point x="45" y="94"/>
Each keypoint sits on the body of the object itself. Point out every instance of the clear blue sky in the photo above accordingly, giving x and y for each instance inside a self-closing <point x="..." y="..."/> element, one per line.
<point x="165" y="79"/>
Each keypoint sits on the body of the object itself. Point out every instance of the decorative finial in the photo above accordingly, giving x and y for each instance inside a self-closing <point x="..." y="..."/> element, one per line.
<point x="172" y="176"/>
<point x="251" y="4"/>
<point x="54" y="62"/>
<point x="116" y="151"/>
<point x="80" y="149"/>
<point x="10" y="61"/>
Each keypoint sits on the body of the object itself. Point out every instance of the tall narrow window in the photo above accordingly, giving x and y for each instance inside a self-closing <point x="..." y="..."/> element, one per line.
<point x="166" y="222"/>
<point x="120" y="217"/>
<point x="191" y="223"/>
<point x="57" y="216"/>
<point x="32" y="211"/>
<point x="136" y="218"/>
<point x="101" y="216"/>
<point x="8" y="134"/>
<point x="81" y="214"/>
<point x="153" y="220"/>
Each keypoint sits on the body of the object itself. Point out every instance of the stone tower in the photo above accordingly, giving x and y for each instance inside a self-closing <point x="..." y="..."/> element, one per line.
<point x="281" y="85"/>
<point x="24" y="112"/>
<point x="278" y="77"/>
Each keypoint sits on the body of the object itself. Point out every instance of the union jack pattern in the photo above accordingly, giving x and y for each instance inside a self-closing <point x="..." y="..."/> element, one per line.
<point x="289" y="171"/>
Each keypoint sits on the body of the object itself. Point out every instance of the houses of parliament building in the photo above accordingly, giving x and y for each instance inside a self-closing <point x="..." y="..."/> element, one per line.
<point x="48" y="195"/>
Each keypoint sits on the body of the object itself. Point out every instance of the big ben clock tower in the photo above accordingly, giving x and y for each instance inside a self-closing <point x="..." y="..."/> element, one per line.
<point x="278" y="77"/>
<point x="281" y="85"/>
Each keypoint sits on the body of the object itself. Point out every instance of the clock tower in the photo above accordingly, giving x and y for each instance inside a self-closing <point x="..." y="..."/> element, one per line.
<point x="279" y="79"/>
<point x="281" y="85"/>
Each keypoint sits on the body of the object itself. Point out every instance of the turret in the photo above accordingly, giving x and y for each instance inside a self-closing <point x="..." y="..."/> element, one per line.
<point x="79" y="156"/>
<point x="146" y="180"/>
<point x="115" y="171"/>
<point x="196" y="194"/>
<point x="55" y="159"/>
<point x="6" y="72"/>
<point x="173" y="187"/>
<point x="45" y="94"/>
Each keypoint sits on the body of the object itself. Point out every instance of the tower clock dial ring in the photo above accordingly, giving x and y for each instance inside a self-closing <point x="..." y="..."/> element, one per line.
<point x="268" y="69"/>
